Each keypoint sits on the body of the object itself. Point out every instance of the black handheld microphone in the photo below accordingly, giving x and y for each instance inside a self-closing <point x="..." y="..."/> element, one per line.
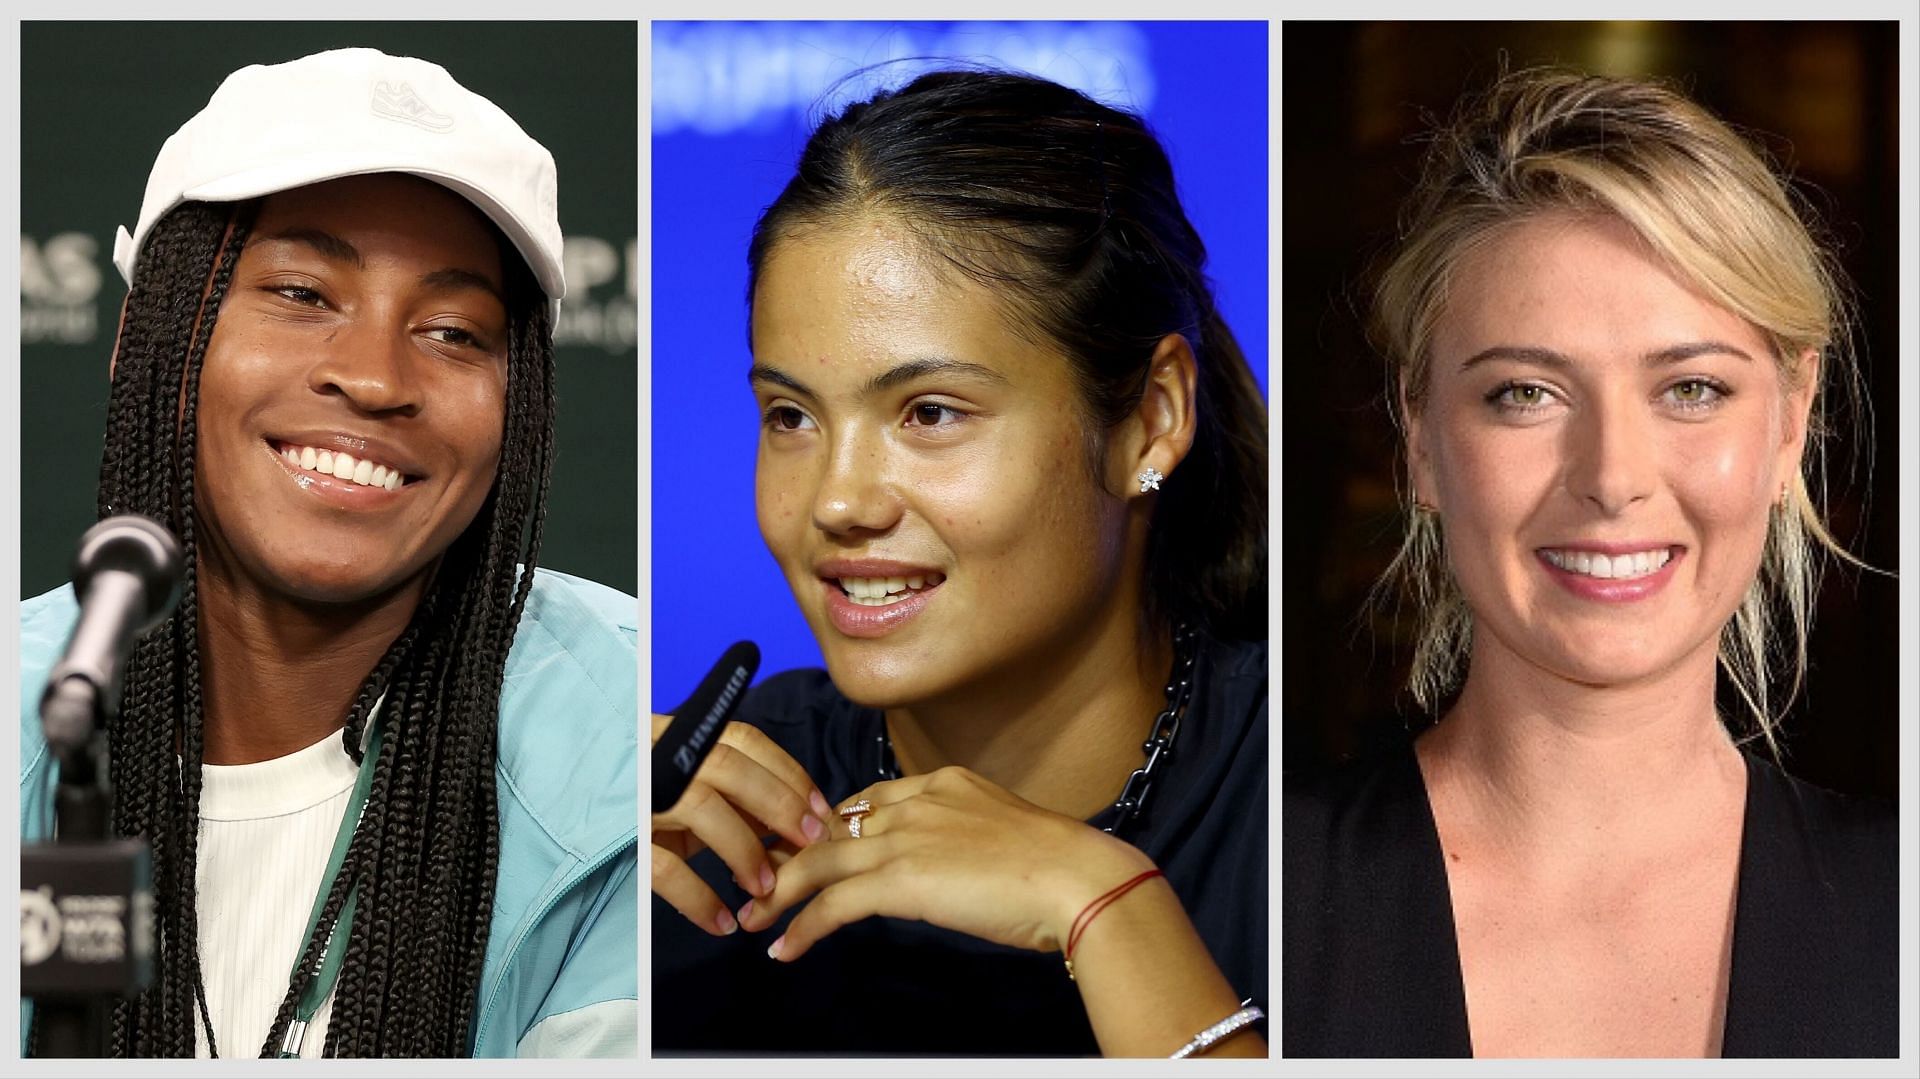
<point x="697" y="723"/>
<point x="127" y="574"/>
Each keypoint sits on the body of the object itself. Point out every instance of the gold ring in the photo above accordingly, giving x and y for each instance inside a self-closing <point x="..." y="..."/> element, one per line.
<point x="852" y="815"/>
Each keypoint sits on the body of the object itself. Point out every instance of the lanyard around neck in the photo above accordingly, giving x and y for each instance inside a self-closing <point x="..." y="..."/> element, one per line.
<point x="331" y="957"/>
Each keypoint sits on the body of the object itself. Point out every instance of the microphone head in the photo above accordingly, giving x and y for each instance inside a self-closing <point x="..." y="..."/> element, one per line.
<point x="129" y="543"/>
<point x="697" y="723"/>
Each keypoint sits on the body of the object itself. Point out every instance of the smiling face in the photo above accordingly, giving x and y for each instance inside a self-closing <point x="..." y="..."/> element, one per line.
<point x="1604" y="446"/>
<point x="354" y="391"/>
<point x="922" y="475"/>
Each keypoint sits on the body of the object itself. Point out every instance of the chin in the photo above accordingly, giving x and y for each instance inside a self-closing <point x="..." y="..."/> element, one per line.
<point x="1622" y="665"/>
<point x="874" y="681"/>
<point x="333" y="585"/>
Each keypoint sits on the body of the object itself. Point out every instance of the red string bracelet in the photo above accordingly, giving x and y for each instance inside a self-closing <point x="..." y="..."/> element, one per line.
<point x="1092" y="910"/>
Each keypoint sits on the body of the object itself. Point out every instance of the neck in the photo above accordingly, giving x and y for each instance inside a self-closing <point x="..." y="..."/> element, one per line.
<point x="278" y="675"/>
<point x="1533" y="759"/>
<point x="1062" y="731"/>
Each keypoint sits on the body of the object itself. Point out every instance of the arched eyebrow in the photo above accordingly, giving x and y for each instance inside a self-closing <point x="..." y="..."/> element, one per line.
<point x="766" y="372"/>
<point x="1682" y="353"/>
<point x="325" y="243"/>
<point x="1659" y="357"/>
<point x="931" y="365"/>
<point x="455" y="278"/>
<point x="336" y="249"/>
<point x="897" y="375"/>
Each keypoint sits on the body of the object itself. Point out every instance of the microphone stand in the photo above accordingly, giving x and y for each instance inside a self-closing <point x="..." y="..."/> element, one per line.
<point x="95" y="890"/>
<point x="86" y="898"/>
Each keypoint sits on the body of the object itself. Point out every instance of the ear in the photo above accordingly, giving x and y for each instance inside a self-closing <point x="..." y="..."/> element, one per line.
<point x="1803" y="383"/>
<point x="1419" y="458"/>
<point x="1163" y="422"/>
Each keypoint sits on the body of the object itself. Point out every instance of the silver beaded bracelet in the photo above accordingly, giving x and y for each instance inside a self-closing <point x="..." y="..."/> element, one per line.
<point x="1218" y="1031"/>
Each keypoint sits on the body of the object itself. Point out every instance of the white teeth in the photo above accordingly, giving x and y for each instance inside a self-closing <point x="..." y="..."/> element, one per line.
<point x="1610" y="567"/>
<point x="880" y="591"/>
<point x="343" y="466"/>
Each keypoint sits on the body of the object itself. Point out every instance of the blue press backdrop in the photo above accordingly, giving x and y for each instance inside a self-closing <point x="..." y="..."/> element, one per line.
<point x="732" y="106"/>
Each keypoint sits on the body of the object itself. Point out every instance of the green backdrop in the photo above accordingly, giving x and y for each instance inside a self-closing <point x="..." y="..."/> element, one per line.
<point x="98" y="99"/>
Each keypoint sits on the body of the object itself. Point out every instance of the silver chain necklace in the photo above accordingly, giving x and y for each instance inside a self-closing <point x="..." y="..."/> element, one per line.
<point x="1157" y="747"/>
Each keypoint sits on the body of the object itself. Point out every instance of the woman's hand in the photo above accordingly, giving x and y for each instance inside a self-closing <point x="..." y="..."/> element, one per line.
<point x="955" y="850"/>
<point x="747" y="789"/>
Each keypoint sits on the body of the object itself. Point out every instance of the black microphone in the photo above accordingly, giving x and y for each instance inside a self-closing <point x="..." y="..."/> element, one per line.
<point x="697" y="723"/>
<point x="127" y="573"/>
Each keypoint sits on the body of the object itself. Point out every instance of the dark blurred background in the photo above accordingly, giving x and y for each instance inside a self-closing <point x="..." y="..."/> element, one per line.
<point x="1821" y="98"/>
<point x="98" y="99"/>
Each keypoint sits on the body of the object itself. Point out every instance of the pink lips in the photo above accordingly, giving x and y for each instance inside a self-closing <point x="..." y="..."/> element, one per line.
<point x="857" y="620"/>
<point x="1613" y="590"/>
<point x="861" y="620"/>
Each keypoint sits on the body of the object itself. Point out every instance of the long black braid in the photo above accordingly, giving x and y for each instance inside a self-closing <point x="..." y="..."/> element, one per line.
<point x="426" y="853"/>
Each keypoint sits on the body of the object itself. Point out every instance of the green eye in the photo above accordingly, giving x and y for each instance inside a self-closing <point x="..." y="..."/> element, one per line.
<point x="1696" y="393"/>
<point x="1519" y="396"/>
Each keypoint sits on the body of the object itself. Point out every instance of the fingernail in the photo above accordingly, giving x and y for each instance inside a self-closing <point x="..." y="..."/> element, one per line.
<point x="746" y="912"/>
<point x="725" y="923"/>
<point x="773" y="950"/>
<point x="820" y="807"/>
<point x="766" y="880"/>
<point x="813" y="827"/>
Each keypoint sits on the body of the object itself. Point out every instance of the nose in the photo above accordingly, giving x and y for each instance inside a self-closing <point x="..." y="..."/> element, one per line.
<point x="1612" y="463"/>
<point x="855" y="494"/>
<point x="370" y="362"/>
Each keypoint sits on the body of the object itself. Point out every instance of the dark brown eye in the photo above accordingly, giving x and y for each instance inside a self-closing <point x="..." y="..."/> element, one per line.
<point x="929" y="415"/>
<point x="298" y="294"/>
<point x="787" y="418"/>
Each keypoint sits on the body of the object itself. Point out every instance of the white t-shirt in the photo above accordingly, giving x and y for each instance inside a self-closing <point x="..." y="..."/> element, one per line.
<point x="266" y="831"/>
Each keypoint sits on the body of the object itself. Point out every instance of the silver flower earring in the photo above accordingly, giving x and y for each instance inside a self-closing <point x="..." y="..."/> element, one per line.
<point x="1150" y="478"/>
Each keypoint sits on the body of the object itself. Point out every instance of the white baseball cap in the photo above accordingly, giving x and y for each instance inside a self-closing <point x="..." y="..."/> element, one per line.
<point x="350" y="112"/>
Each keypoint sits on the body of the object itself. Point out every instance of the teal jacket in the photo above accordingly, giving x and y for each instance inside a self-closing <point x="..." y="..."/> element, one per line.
<point x="561" y="975"/>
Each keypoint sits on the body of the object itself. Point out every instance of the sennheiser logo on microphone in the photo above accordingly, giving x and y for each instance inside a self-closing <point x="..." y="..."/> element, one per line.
<point x="687" y="757"/>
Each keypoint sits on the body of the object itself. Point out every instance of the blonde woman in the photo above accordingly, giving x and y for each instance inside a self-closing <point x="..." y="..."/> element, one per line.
<point x="1613" y="342"/>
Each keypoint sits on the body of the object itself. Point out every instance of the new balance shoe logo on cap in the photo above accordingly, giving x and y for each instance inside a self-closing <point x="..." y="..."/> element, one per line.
<point x="404" y="105"/>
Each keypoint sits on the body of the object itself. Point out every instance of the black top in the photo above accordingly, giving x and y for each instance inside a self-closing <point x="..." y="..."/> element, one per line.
<point x="893" y="987"/>
<point x="1372" y="964"/>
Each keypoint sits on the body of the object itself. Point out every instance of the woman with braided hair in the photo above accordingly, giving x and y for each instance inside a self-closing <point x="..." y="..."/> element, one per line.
<point x="372" y="732"/>
<point x="1012" y="463"/>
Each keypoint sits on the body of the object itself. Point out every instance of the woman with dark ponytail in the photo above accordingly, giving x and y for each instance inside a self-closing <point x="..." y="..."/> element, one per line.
<point x="1013" y="465"/>
<point x="333" y="382"/>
